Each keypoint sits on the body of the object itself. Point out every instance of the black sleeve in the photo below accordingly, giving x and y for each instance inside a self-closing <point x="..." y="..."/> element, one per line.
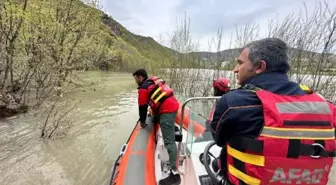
<point x="143" y="112"/>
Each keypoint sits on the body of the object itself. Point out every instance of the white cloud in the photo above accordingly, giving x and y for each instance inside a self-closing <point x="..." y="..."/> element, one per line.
<point x="155" y="17"/>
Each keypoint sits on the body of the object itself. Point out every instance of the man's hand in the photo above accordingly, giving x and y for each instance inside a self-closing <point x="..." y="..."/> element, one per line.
<point x="142" y="124"/>
<point x="150" y="112"/>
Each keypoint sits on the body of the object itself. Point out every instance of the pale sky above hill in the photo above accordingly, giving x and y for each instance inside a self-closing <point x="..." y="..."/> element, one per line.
<point x="159" y="17"/>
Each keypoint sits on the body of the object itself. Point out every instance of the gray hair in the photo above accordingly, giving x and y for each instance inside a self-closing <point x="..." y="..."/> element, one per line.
<point x="273" y="51"/>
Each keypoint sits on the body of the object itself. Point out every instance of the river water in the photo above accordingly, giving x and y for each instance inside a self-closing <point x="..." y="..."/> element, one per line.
<point x="103" y="122"/>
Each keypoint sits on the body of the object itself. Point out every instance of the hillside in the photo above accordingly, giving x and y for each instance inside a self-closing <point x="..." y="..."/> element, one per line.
<point x="136" y="50"/>
<point x="43" y="43"/>
<point x="214" y="56"/>
<point x="145" y="45"/>
<point x="234" y="53"/>
<point x="230" y="55"/>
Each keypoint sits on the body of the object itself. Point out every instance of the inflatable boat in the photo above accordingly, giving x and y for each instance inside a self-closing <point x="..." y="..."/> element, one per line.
<point x="143" y="158"/>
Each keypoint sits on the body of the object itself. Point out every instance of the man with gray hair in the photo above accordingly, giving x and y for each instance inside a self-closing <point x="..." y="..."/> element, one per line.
<point x="262" y="125"/>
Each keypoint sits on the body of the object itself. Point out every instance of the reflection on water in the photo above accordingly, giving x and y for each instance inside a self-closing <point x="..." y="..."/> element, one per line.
<point x="103" y="121"/>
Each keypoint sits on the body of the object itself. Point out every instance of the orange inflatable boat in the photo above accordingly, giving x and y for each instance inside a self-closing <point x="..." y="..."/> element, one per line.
<point x="136" y="162"/>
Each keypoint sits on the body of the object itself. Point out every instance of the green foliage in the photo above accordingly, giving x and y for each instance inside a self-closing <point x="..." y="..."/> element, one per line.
<point x="43" y="42"/>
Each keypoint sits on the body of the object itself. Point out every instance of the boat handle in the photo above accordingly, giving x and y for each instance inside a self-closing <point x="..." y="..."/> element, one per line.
<point x="123" y="149"/>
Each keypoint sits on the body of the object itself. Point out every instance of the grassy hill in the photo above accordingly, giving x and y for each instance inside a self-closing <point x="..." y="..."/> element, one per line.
<point x="135" y="50"/>
<point x="43" y="43"/>
<point x="147" y="46"/>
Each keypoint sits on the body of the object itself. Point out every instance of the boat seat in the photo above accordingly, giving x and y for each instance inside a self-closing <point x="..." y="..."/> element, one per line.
<point x="178" y="135"/>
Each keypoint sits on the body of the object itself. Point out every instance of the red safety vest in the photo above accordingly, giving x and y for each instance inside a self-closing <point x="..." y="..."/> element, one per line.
<point x="160" y="92"/>
<point x="296" y="145"/>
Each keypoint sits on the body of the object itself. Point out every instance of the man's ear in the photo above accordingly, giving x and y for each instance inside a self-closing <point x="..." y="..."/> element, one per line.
<point x="261" y="67"/>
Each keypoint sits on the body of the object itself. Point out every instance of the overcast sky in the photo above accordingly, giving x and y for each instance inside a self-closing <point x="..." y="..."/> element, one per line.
<point x="159" y="17"/>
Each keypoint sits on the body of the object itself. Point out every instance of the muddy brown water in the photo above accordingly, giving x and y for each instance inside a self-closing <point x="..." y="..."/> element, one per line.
<point x="103" y="122"/>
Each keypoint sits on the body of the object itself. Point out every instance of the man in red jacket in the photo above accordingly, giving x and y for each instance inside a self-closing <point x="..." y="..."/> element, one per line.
<point x="220" y="87"/>
<point x="154" y="92"/>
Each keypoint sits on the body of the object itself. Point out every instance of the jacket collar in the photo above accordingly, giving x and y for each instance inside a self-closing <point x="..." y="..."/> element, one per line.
<point x="267" y="78"/>
<point x="142" y="82"/>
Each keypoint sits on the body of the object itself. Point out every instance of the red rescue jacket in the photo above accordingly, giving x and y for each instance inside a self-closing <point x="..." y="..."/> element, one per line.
<point x="296" y="145"/>
<point x="158" y="95"/>
<point x="335" y="116"/>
